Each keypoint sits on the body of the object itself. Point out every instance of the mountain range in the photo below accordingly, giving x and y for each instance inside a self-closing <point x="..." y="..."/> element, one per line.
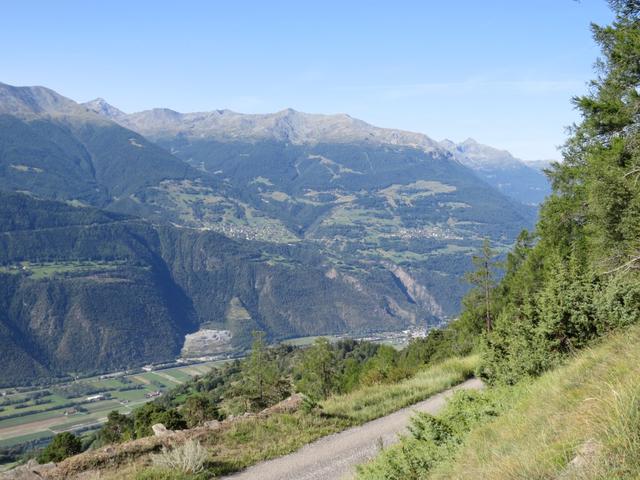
<point x="292" y="223"/>
<point x="520" y="180"/>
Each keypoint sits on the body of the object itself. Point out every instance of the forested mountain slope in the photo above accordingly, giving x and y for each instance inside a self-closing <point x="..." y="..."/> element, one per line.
<point x="88" y="290"/>
<point x="324" y="224"/>
<point x="577" y="277"/>
<point x="572" y="285"/>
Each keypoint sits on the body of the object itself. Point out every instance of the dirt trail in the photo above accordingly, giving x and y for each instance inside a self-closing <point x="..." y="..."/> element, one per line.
<point x="335" y="457"/>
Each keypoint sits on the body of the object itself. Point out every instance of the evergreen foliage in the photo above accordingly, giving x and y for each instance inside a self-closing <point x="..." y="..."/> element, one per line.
<point x="577" y="277"/>
<point x="63" y="445"/>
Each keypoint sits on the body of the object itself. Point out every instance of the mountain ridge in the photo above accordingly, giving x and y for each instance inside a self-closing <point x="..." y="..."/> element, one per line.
<point x="290" y="125"/>
<point x="519" y="179"/>
<point x="285" y="125"/>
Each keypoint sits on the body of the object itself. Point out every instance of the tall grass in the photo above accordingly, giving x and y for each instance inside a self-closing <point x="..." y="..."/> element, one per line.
<point x="255" y="439"/>
<point x="190" y="458"/>
<point x="581" y="421"/>
<point x="375" y="401"/>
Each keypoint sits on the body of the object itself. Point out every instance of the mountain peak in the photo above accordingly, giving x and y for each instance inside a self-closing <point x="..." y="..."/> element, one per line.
<point x="102" y="107"/>
<point x="478" y="156"/>
<point x="448" y="144"/>
<point x="30" y="101"/>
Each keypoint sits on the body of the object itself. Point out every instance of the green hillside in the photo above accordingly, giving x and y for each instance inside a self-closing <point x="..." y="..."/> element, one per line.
<point x="85" y="290"/>
<point x="553" y="411"/>
<point x="579" y="421"/>
<point x="400" y="212"/>
<point x="358" y="202"/>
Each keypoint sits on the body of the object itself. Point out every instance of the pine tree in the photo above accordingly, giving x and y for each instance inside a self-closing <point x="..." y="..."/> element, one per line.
<point x="580" y="279"/>
<point x="318" y="370"/>
<point x="483" y="280"/>
<point x="62" y="446"/>
<point x="262" y="382"/>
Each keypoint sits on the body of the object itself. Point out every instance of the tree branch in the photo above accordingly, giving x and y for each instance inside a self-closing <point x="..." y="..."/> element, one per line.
<point x="625" y="266"/>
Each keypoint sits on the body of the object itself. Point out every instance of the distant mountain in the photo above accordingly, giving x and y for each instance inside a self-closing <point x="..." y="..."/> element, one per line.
<point x="286" y="126"/>
<point x="50" y="146"/>
<point x="539" y="164"/>
<point x="101" y="107"/>
<point x="355" y="190"/>
<point x="292" y="223"/>
<point x="520" y="180"/>
<point x="499" y="168"/>
<point x="34" y="101"/>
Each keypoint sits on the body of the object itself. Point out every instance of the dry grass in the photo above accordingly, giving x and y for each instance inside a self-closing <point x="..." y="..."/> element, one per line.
<point x="190" y="457"/>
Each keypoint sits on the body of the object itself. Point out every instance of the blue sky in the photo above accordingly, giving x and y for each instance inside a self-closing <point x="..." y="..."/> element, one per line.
<point x="500" y="71"/>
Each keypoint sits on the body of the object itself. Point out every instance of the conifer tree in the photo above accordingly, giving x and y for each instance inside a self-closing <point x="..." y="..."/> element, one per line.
<point x="483" y="280"/>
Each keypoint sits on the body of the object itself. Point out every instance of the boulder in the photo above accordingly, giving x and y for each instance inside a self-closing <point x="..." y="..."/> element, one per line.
<point x="212" y="424"/>
<point x="287" y="405"/>
<point x="159" y="430"/>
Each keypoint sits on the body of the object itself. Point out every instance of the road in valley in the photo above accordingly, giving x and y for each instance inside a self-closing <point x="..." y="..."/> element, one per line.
<point x="334" y="457"/>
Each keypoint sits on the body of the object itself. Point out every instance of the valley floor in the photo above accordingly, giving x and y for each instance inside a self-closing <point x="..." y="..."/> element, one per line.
<point x="58" y="413"/>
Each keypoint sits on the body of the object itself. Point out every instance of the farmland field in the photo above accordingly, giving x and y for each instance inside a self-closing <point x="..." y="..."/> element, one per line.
<point x="43" y="413"/>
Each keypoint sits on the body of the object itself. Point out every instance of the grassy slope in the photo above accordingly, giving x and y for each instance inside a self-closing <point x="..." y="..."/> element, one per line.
<point x="250" y="442"/>
<point x="589" y="408"/>
<point x="255" y="439"/>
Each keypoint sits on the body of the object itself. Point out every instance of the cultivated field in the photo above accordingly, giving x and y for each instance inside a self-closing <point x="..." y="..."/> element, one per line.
<point x="38" y="414"/>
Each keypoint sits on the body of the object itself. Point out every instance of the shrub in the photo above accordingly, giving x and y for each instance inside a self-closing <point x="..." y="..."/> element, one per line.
<point x="118" y="428"/>
<point x="619" y="303"/>
<point x="62" y="446"/>
<point x="198" y="408"/>
<point x="190" y="458"/>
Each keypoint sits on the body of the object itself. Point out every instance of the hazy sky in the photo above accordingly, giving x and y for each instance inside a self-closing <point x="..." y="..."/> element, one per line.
<point x="500" y="71"/>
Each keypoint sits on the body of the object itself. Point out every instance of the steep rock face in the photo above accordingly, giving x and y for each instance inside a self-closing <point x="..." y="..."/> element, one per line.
<point x="416" y="292"/>
<point x="242" y="290"/>
<point x="74" y="323"/>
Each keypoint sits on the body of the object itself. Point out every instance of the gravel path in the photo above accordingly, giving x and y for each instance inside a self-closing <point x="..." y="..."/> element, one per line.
<point x="334" y="457"/>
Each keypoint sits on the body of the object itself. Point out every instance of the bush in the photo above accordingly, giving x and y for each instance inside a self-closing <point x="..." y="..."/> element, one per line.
<point x="189" y="458"/>
<point x="118" y="428"/>
<point x="434" y="440"/>
<point x="62" y="446"/>
<point x="151" y="413"/>
<point x="198" y="408"/>
<point x="619" y="303"/>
